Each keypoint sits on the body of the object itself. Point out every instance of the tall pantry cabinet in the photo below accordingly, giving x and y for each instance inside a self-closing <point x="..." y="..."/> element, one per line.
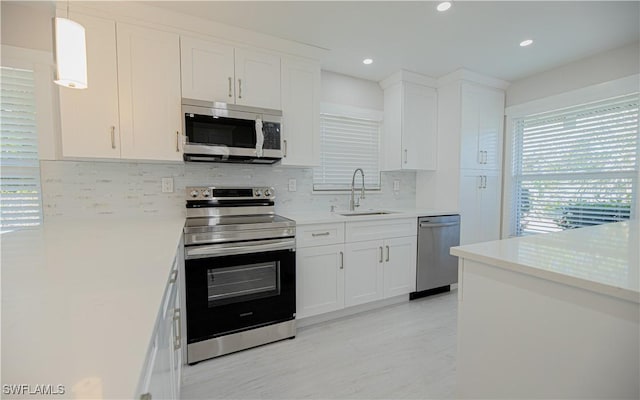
<point x="473" y="115"/>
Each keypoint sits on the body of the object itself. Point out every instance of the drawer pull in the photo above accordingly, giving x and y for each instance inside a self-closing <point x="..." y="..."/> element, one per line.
<point x="320" y="234"/>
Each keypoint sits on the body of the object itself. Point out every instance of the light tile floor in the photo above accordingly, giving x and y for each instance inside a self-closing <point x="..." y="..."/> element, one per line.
<point x="404" y="351"/>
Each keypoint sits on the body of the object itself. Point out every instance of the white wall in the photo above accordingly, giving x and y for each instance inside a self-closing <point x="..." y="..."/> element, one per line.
<point x="356" y="92"/>
<point x="28" y="24"/>
<point x="603" y="67"/>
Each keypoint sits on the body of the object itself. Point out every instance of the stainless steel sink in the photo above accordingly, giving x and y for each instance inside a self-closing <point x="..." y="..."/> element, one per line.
<point x="373" y="212"/>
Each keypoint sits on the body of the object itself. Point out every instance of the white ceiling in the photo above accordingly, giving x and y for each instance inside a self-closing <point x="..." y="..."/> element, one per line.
<point x="481" y="36"/>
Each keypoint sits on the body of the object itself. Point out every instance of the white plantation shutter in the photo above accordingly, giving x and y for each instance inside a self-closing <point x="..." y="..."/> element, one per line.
<point x="347" y="143"/>
<point x="20" y="194"/>
<point x="575" y="167"/>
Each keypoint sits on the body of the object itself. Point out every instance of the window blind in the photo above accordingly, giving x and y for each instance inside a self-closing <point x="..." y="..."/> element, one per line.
<point x="575" y="167"/>
<point x="20" y="194"/>
<point x="347" y="143"/>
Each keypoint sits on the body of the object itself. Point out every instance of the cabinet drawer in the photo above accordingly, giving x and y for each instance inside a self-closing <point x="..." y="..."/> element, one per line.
<point x="376" y="230"/>
<point x="319" y="234"/>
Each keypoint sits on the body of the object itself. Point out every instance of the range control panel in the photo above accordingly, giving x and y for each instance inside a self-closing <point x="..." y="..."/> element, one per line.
<point x="218" y="193"/>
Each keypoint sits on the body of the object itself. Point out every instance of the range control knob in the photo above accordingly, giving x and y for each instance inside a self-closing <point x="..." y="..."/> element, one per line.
<point x="257" y="193"/>
<point x="194" y="193"/>
<point x="206" y="193"/>
<point x="267" y="193"/>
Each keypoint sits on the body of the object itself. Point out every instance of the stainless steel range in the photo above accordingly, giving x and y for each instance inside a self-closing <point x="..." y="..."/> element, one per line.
<point x="239" y="271"/>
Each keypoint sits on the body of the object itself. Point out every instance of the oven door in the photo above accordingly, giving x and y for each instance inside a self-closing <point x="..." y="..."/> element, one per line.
<point x="234" y="290"/>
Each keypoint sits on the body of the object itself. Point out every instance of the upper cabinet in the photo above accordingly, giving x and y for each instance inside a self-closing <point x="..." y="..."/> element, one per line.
<point x="300" y="112"/>
<point x="219" y="72"/>
<point x="89" y="117"/>
<point x="131" y="108"/>
<point x="410" y="126"/>
<point x="481" y="125"/>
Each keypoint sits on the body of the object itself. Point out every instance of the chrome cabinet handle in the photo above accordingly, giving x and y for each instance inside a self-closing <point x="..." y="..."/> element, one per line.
<point x="479" y="158"/>
<point x="341" y="260"/>
<point x="174" y="276"/>
<point x="113" y="136"/>
<point x="484" y="159"/>
<point x="485" y="182"/>
<point x="320" y="234"/>
<point x="239" y="88"/>
<point x="230" y="83"/>
<point x="285" y="148"/>
<point x="388" y="253"/>
<point x="177" y="141"/>
<point x="480" y="184"/>
<point x="380" y="254"/>
<point x="405" y="156"/>
<point x="177" y="340"/>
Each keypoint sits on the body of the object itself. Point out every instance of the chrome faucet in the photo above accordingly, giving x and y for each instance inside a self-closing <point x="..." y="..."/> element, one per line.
<point x="352" y="203"/>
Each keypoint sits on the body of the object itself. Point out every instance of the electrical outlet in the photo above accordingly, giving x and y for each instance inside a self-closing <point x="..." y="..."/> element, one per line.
<point x="396" y="185"/>
<point x="167" y="185"/>
<point x="292" y="185"/>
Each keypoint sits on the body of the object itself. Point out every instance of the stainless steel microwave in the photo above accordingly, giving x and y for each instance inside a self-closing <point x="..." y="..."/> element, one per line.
<point x="220" y="132"/>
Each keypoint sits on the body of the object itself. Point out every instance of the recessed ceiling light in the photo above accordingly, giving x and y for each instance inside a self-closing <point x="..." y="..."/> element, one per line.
<point x="367" y="61"/>
<point x="444" y="6"/>
<point x="526" y="43"/>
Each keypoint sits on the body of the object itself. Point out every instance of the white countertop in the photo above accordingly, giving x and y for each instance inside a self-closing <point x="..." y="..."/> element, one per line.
<point x="603" y="259"/>
<point x="320" y="217"/>
<point x="80" y="299"/>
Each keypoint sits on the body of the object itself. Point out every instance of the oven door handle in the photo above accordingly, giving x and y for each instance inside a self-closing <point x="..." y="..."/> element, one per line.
<point x="219" y="250"/>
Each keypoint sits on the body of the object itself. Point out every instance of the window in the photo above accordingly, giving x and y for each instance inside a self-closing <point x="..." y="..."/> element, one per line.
<point x="575" y="167"/>
<point x="20" y="194"/>
<point x="348" y="140"/>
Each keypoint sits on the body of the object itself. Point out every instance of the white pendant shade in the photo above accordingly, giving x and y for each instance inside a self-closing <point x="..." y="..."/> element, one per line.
<point x="71" y="54"/>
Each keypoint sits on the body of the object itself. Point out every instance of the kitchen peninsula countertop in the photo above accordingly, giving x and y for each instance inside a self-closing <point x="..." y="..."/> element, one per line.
<point x="602" y="259"/>
<point x="326" y="217"/>
<point x="80" y="299"/>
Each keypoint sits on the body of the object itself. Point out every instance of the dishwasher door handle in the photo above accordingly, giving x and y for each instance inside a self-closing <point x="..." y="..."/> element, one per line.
<point x="438" y="225"/>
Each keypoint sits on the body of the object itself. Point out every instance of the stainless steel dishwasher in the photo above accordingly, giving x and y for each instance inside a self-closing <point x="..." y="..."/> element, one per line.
<point x="436" y="269"/>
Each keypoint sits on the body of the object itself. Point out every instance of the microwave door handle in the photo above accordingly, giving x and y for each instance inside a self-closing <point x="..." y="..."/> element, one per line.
<point x="259" y="137"/>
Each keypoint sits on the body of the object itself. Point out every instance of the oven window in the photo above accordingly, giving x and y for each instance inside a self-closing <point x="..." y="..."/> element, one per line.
<point x="241" y="283"/>
<point x="203" y="129"/>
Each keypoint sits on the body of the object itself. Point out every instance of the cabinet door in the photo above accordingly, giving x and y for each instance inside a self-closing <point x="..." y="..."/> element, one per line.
<point x="300" y="112"/>
<point x="89" y="117"/>
<point x="161" y="381"/>
<point x="482" y="118"/>
<point x="419" y="127"/>
<point x="319" y="280"/>
<point x="470" y="209"/>
<point x="400" y="266"/>
<point x="149" y="92"/>
<point x="207" y="70"/>
<point x="363" y="272"/>
<point x="489" y="214"/>
<point x="257" y="79"/>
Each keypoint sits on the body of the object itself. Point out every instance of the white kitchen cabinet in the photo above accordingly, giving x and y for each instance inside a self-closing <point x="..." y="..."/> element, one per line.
<point x="364" y="272"/>
<point x="400" y="266"/>
<point x="319" y="280"/>
<point x="481" y="127"/>
<point x="479" y="206"/>
<point x="131" y="108"/>
<point x="213" y="71"/>
<point x="90" y="123"/>
<point x="300" y="112"/>
<point x="163" y="368"/>
<point x="410" y="127"/>
<point x="149" y="93"/>
<point x="207" y="70"/>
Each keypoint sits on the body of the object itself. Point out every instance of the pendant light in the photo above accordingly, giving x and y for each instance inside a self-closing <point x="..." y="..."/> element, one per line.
<point x="71" y="53"/>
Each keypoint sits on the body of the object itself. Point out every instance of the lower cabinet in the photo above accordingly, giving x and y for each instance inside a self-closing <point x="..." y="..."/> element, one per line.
<point x="319" y="280"/>
<point x="163" y="368"/>
<point x="347" y="273"/>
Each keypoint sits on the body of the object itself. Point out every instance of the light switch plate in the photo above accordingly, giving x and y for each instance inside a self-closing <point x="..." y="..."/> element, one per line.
<point x="396" y="185"/>
<point x="292" y="185"/>
<point x="167" y="185"/>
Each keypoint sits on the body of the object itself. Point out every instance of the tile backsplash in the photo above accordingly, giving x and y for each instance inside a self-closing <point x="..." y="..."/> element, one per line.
<point x="86" y="188"/>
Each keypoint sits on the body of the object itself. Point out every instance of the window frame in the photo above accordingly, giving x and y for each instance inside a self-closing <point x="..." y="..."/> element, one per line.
<point x="594" y="93"/>
<point x="343" y="110"/>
